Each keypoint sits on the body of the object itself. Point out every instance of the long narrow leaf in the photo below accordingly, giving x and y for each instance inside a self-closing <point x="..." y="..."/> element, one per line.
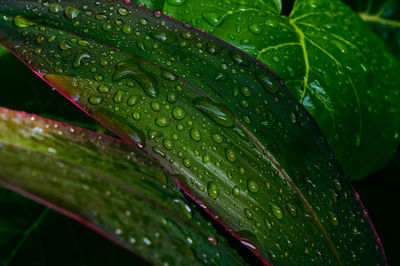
<point x="224" y="125"/>
<point x="108" y="186"/>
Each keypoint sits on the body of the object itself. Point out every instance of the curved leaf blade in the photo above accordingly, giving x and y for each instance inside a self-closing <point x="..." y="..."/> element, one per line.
<point x="108" y="186"/>
<point x="330" y="61"/>
<point x="225" y="126"/>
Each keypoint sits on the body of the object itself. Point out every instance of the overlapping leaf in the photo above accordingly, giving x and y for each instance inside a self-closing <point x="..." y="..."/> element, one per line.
<point x="225" y="126"/>
<point x="108" y="186"/>
<point x="329" y="59"/>
<point x="384" y="18"/>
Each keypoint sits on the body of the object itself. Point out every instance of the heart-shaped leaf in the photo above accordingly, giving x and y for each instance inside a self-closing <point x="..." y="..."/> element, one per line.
<point x="384" y="18"/>
<point x="329" y="59"/>
<point x="225" y="126"/>
<point x="108" y="186"/>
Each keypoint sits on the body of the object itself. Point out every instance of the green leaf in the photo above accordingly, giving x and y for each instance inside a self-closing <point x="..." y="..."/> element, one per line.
<point x="31" y="235"/>
<point x="108" y="186"/>
<point x="329" y="60"/>
<point x="384" y="18"/>
<point x="230" y="132"/>
<point x="152" y="4"/>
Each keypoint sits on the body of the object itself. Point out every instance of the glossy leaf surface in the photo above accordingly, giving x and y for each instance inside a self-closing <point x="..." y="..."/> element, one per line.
<point x="225" y="126"/>
<point x="384" y="18"/>
<point x="108" y="186"/>
<point x="30" y="234"/>
<point x="330" y="60"/>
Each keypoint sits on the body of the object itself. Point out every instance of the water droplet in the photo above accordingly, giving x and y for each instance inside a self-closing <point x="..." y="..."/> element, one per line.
<point x="163" y="121"/>
<point x="107" y="26"/>
<point x="255" y="29"/>
<point x="215" y="112"/>
<point x="334" y="219"/>
<point x="270" y="120"/>
<point x="171" y="97"/>
<point x="213" y="48"/>
<point x="80" y="56"/>
<point x="211" y="17"/>
<point x="146" y="241"/>
<point x="127" y="29"/>
<point x="276" y="211"/>
<point x="132" y="100"/>
<point x="178" y="113"/>
<point x="206" y="158"/>
<point x="94" y="100"/>
<point x="267" y="83"/>
<point x="267" y="223"/>
<point x="213" y="190"/>
<point x="55" y="8"/>
<point x="195" y="134"/>
<point x="168" y="144"/>
<point x="236" y="191"/>
<point x="136" y="116"/>
<point x="71" y="12"/>
<point x="187" y="35"/>
<point x="292" y="209"/>
<point x="186" y="162"/>
<point x="164" y="37"/>
<point x="217" y="138"/>
<point x="123" y="11"/>
<point x="118" y="98"/>
<point x="230" y="155"/>
<point x="133" y="71"/>
<point x="245" y="91"/>
<point x="143" y="21"/>
<point x="292" y="118"/>
<point x="252" y="186"/>
<point x="22" y="22"/>
<point x="239" y="58"/>
<point x="64" y="46"/>
<point x="248" y="214"/>
<point x="168" y="75"/>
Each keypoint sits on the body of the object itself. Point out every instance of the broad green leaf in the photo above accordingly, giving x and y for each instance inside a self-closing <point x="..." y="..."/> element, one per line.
<point x="342" y="73"/>
<point x="108" y="186"/>
<point x="220" y="122"/>
<point x="384" y="18"/>
<point x="31" y="234"/>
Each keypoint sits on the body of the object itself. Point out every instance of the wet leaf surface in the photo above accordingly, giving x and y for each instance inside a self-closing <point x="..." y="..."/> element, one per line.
<point x="226" y="127"/>
<point x="330" y="60"/>
<point x="109" y="187"/>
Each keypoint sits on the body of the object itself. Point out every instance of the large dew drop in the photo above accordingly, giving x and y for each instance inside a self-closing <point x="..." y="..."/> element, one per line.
<point x="133" y="71"/>
<point x="214" y="111"/>
<point x="22" y="22"/>
<point x="213" y="190"/>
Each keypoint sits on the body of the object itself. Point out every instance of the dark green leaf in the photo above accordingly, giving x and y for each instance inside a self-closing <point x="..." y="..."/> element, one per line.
<point x="332" y="63"/>
<point x="108" y="186"/>
<point x="227" y="128"/>
<point x="384" y="18"/>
